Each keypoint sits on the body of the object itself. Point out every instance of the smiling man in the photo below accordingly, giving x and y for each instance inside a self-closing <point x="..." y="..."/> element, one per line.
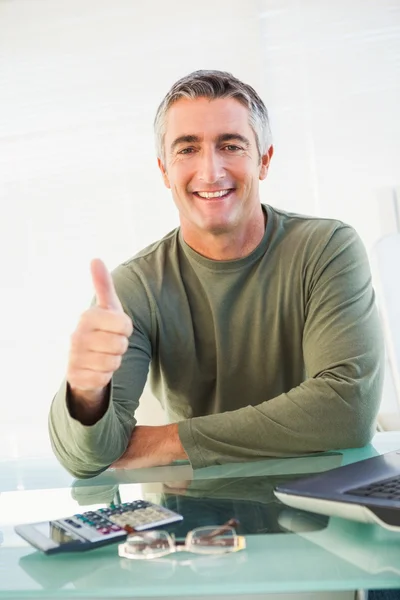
<point x="256" y="327"/>
<point x="213" y="173"/>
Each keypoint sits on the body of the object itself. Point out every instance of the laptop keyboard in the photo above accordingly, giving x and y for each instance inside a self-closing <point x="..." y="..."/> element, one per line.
<point x="388" y="489"/>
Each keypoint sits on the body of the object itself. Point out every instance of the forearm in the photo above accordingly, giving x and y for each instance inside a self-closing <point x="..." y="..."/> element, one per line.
<point x="87" y="450"/>
<point x="152" y="446"/>
<point x="321" y="414"/>
<point x="161" y="444"/>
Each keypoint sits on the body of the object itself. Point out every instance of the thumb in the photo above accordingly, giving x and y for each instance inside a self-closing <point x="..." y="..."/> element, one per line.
<point x="106" y="296"/>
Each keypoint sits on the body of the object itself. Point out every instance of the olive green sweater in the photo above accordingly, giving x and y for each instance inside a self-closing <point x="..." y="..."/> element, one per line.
<point x="274" y="354"/>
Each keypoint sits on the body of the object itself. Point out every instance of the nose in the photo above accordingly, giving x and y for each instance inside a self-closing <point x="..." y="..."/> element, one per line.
<point x="211" y="167"/>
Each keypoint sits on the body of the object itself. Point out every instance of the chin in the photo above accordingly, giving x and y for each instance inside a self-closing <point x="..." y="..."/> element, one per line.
<point x="218" y="227"/>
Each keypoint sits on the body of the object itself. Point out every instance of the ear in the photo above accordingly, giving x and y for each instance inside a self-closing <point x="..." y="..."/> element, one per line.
<point x="163" y="173"/>
<point x="265" y="160"/>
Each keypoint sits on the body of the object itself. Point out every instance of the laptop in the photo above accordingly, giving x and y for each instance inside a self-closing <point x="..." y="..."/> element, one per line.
<point x="366" y="491"/>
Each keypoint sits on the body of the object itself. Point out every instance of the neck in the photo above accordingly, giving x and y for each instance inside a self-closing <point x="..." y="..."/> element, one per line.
<point x="229" y="245"/>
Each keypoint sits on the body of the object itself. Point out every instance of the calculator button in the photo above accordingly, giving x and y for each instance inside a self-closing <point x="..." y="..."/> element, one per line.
<point x="104" y="530"/>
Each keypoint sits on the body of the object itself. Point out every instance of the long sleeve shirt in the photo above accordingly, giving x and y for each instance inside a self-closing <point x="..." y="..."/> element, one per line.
<point x="277" y="353"/>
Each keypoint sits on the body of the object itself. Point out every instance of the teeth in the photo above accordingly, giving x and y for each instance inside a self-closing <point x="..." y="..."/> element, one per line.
<point x="213" y="194"/>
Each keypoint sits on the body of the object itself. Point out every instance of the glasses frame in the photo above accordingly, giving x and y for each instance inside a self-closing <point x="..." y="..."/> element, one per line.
<point x="186" y="545"/>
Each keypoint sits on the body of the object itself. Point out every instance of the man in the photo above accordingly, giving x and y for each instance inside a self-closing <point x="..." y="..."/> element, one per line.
<point x="259" y="326"/>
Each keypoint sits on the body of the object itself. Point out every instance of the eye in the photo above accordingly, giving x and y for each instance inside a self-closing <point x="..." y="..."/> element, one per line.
<point x="232" y="148"/>
<point x="186" y="151"/>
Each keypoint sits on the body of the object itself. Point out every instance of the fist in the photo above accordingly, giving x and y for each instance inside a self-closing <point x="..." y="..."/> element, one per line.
<point x="100" y="339"/>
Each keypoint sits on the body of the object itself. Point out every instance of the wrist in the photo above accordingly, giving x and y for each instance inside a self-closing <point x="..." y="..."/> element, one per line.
<point x="89" y="397"/>
<point x="174" y="449"/>
<point x="87" y="406"/>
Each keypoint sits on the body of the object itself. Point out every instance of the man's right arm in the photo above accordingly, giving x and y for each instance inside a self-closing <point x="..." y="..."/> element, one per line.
<point x="92" y="415"/>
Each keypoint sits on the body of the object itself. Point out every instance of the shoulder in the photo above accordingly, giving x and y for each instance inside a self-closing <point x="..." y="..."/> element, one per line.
<point x="149" y="259"/>
<point x="154" y="252"/>
<point x="304" y="225"/>
<point x="311" y="235"/>
<point x="138" y="276"/>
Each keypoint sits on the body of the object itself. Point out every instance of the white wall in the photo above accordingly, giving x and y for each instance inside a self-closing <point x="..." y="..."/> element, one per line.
<point x="80" y="81"/>
<point x="332" y="81"/>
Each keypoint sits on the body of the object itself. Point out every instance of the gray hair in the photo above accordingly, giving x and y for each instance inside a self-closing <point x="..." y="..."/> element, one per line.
<point x="213" y="85"/>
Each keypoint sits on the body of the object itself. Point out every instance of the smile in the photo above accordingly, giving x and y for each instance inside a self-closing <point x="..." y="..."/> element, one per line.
<point x="216" y="194"/>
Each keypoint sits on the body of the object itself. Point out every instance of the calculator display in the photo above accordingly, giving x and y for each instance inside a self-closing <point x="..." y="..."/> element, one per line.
<point x="55" y="532"/>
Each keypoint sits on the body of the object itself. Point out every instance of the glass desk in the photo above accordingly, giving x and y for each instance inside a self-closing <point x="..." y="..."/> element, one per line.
<point x="290" y="554"/>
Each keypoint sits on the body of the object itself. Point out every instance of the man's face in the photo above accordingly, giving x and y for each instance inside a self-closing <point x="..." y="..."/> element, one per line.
<point x="212" y="165"/>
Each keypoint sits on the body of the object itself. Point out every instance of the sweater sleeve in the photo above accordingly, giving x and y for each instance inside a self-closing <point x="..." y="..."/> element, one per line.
<point x="337" y="403"/>
<point x="87" y="450"/>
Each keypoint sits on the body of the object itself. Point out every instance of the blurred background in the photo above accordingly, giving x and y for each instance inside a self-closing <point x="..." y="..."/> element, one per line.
<point x="80" y="81"/>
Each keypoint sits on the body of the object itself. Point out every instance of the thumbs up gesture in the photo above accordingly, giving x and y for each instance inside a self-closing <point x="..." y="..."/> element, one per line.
<point x="99" y="341"/>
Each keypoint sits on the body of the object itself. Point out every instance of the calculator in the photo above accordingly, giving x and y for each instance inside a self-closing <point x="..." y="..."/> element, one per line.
<point x="92" y="529"/>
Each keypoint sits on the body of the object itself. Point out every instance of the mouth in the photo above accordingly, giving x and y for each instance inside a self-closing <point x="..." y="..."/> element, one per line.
<point x="214" y="195"/>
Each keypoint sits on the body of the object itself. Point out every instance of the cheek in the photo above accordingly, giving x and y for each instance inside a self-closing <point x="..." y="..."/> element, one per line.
<point x="245" y="177"/>
<point x="243" y="169"/>
<point x="180" y="172"/>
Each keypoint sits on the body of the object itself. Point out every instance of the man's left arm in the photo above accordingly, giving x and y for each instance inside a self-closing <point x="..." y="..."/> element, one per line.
<point x="335" y="407"/>
<point x="152" y="446"/>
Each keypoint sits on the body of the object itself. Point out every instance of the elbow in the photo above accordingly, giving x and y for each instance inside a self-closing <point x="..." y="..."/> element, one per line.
<point x="353" y="429"/>
<point x="352" y="424"/>
<point x="357" y="438"/>
<point x="345" y="438"/>
<point x="88" y="460"/>
<point x="80" y="470"/>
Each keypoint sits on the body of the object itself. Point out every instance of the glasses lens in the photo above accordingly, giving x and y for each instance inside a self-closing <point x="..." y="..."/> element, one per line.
<point x="149" y="544"/>
<point x="212" y="540"/>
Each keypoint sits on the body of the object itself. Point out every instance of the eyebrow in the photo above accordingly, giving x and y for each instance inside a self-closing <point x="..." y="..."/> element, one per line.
<point x="223" y="137"/>
<point x="184" y="139"/>
<point x="230" y="137"/>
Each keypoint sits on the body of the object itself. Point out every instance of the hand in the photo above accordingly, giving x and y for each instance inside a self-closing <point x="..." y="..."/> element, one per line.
<point x="151" y="446"/>
<point x="99" y="341"/>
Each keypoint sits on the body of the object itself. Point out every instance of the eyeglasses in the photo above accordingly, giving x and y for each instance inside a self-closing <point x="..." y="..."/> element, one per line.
<point x="202" y="540"/>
